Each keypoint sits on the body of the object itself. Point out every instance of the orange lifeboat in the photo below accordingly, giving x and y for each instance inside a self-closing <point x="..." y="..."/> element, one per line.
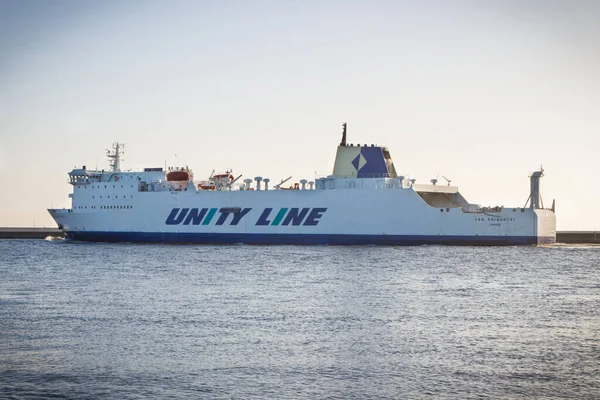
<point x="178" y="176"/>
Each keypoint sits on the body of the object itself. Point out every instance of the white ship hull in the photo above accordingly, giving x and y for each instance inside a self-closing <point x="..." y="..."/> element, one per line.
<point x="344" y="216"/>
<point x="363" y="202"/>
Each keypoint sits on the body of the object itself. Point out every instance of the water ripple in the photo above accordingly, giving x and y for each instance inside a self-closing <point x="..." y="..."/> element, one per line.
<point x="127" y="321"/>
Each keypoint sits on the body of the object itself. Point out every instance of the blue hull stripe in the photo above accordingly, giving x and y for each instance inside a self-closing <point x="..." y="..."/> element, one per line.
<point x="302" y="239"/>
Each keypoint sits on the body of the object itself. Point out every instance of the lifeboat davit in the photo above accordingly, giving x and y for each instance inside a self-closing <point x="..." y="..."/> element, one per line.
<point x="178" y="176"/>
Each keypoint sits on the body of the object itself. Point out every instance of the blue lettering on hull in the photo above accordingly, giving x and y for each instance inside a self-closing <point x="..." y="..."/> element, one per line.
<point x="176" y="217"/>
<point x="262" y="220"/>
<point x="283" y="216"/>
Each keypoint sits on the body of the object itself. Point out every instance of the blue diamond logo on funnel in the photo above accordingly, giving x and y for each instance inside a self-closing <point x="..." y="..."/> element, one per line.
<point x="355" y="162"/>
<point x="359" y="162"/>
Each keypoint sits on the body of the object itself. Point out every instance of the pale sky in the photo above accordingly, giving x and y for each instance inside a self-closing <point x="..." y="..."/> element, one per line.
<point x="482" y="92"/>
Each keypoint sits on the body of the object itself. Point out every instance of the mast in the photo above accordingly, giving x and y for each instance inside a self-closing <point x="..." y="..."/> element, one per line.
<point x="343" y="142"/>
<point x="115" y="156"/>
<point x="535" y="195"/>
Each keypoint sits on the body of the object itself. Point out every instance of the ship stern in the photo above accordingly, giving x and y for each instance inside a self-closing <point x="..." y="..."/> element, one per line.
<point x="545" y="226"/>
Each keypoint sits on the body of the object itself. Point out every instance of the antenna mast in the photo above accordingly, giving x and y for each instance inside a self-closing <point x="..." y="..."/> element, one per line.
<point x="115" y="156"/>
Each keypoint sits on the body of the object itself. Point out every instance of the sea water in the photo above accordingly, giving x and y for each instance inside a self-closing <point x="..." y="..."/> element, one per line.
<point x="97" y="320"/>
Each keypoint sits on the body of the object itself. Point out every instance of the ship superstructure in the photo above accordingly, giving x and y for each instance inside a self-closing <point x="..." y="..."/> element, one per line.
<point x="364" y="201"/>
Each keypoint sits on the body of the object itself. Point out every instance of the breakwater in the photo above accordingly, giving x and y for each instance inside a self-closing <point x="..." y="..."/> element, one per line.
<point x="29" y="233"/>
<point x="577" y="237"/>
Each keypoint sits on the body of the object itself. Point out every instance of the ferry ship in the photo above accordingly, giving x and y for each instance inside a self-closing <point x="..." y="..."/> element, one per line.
<point x="363" y="202"/>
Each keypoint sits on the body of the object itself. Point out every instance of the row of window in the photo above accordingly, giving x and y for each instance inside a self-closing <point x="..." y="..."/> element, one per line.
<point x="97" y="187"/>
<point x="108" y="197"/>
<point x="106" y="207"/>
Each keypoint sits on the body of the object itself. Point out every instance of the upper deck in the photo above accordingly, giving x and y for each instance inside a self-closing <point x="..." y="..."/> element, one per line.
<point x="356" y="167"/>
